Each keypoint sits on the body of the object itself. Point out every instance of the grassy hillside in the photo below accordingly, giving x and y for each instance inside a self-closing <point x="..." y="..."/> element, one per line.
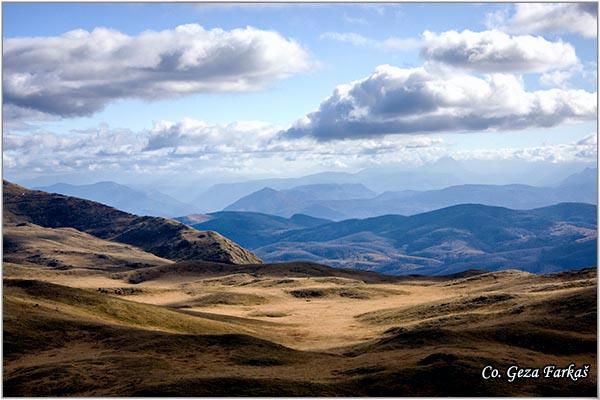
<point x="66" y="248"/>
<point x="161" y="237"/>
<point x="413" y="337"/>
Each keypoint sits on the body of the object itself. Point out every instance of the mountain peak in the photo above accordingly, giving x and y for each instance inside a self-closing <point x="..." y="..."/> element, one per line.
<point x="266" y="190"/>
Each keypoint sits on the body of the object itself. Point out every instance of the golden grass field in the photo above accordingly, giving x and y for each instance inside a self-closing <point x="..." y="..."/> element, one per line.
<point x="201" y="329"/>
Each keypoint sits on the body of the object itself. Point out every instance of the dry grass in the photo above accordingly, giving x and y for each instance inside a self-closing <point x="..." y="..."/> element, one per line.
<point x="67" y="248"/>
<point x="260" y="333"/>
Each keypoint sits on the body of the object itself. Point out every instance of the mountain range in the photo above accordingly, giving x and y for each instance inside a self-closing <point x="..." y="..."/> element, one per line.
<point x="355" y="203"/>
<point x="125" y="198"/>
<point x="338" y="196"/>
<point x="437" y="175"/>
<point x="447" y="240"/>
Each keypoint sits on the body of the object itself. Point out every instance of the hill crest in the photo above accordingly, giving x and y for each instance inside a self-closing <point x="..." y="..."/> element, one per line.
<point x="162" y="237"/>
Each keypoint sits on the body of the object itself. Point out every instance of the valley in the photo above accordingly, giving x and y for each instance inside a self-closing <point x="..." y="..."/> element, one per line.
<point x="283" y="199"/>
<point x="291" y="329"/>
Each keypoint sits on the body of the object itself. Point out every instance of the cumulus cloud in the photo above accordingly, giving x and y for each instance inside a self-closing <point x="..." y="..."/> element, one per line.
<point x="578" y="18"/>
<point x="389" y="44"/>
<point x="407" y="101"/>
<point x="496" y="51"/>
<point x="487" y="51"/>
<point x="21" y="118"/>
<point x="203" y="148"/>
<point x="79" y="72"/>
<point x="560" y="78"/>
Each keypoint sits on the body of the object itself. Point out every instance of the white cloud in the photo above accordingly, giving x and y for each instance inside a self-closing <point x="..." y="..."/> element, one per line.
<point x="583" y="150"/>
<point x="389" y="44"/>
<point x="248" y="147"/>
<point x="488" y="51"/>
<point x="79" y="72"/>
<point x="354" y="20"/>
<point x="578" y="18"/>
<point x="590" y="140"/>
<point x="558" y="78"/>
<point x="21" y="118"/>
<point x="194" y="145"/>
<point x="408" y="101"/>
<point x="496" y="51"/>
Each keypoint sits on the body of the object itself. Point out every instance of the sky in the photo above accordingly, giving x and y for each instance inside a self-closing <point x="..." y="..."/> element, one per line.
<point x="139" y="92"/>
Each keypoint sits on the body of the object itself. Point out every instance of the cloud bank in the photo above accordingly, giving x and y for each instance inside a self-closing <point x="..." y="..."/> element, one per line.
<point x="408" y="101"/>
<point x="80" y="72"/>
<point x="198" y="147"/>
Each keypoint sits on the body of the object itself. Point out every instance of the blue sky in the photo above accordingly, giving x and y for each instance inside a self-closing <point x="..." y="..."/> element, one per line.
<point x="284" y="100"/>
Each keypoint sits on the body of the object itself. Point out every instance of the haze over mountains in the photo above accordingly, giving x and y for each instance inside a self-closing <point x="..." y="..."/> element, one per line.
<point x="151" y="202"/>
<point x="437" y="175"/>
<point x="580" y="187"/>
<point x="492" y="227"/>
<point x="333" y="196"/>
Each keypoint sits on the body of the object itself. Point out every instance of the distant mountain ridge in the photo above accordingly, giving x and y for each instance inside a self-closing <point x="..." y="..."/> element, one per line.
<point x="447" y="240"/>
<point x="576" y="188"/>
<point x="306" y="199"/>
<point x="125" y="198"/>
<point x="581" y="179"/>
<point x="442" y="173"/>
<point x="162" y="237"/>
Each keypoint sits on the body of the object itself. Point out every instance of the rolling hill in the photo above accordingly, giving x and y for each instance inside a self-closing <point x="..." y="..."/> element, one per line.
<point x="447" y="240"/>
<point x="312" y="333"/>
<point x="67" y="248"/>
<point x="162" y="237"/>
<point x="251" y="229"/>
<point x="87" y="316"/>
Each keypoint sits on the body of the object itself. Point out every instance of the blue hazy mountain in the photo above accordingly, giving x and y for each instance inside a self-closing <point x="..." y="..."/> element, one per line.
<point x="306" y="199"/>
<point x="219" y="196"/>
<point x="580" y="187"/>
<point x="582" y="180"/>
<point x="124" y="198"/>
<point x="448" y="240"/>
<point x="436" y="175"/>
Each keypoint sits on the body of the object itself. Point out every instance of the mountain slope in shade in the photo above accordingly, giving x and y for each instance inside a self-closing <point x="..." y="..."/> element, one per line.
<point x="159" y="236"/>
<point x="448" y="240"/>
<point x="124" y="198"/>
<point x="251" y="229"/>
